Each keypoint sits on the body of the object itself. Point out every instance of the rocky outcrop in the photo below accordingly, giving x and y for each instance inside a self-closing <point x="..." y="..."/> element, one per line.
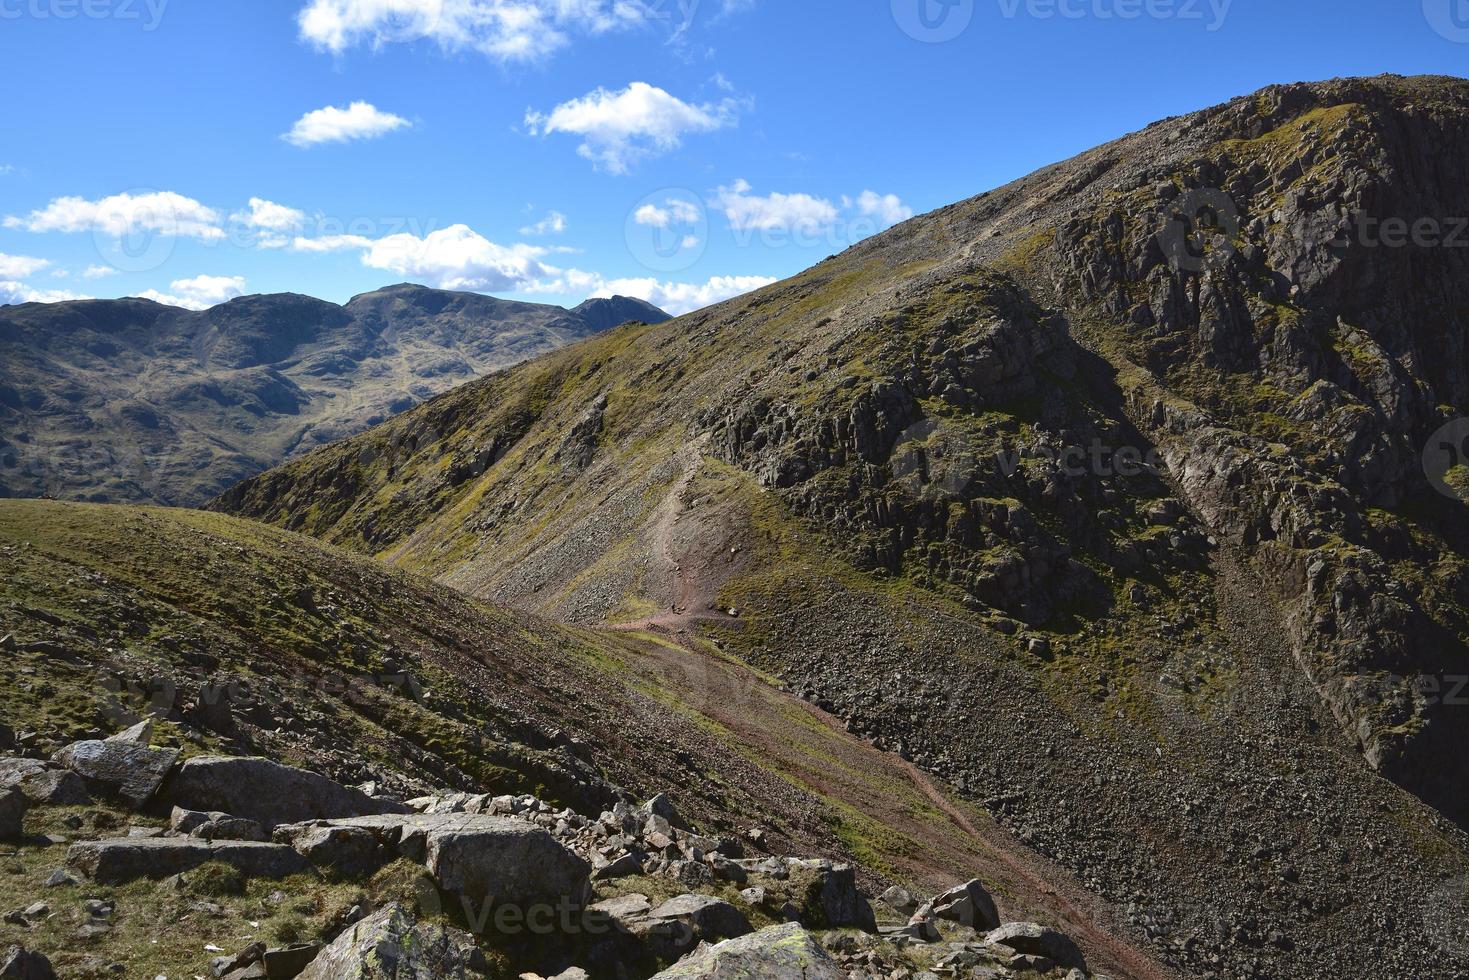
<point x="266" y="792"/>
<point x="486" y="860"/>
<point x="112" y="862"/>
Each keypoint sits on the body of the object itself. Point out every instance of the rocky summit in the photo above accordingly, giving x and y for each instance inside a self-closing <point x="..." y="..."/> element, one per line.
<point x="131" y="401"/>
<point x="1067" y="583"/>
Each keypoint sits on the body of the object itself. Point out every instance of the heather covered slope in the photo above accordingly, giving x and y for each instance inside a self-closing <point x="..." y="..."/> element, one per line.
<point x="131" y="401"/>
<point x="908" y="481"/>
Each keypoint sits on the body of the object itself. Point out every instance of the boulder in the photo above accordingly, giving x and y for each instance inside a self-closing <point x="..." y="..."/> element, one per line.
<point x="215" y="826"/>
<point x="899" y="900"/>
<point x="19" y="963"/>
<point x="267" y="792"/>
<point x="13" y="806"/>
<point x="125" y="859"/>
<point x="128" y="769"/>
<point x="475" y="856"/>
<point x="784" y="952"/>
<point x="842" y="906"/>
<point x="968" y="904"/>
<point x="392" y="945"/>
<point x="56" y="787"/>
<point x="352" y="852"/>
<point x="1029" y="939"/>
<point x="708" y="918"/>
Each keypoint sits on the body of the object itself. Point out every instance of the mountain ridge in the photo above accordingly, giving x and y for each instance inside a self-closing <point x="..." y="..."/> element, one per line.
<point x="130" y="400"/>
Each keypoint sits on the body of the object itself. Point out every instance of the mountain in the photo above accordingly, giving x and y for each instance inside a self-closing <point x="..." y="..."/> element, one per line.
<point x="130" y="401"/>
<point x="1122" y="498"/>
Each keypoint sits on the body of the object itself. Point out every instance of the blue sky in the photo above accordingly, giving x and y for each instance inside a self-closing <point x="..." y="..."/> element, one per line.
<point x="680" y="150"/>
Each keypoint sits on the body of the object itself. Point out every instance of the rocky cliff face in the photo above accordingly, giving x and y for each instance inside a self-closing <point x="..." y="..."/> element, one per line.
<point x="130" y="401"/>
<point x="1118" y="491"/>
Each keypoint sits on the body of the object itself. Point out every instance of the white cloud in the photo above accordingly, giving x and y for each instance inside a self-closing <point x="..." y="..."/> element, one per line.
<point x="675" y="212"/>
<point x="99" y="272"/>
<point x="331" y="243"/>
<point x="453" y="258"/>
<point x="554" y="223"/>
<point x="199" y="293"/>
<point x="19" y="292"/>
<point x="160" y="212"/>
<point x="20" y="266"/>
<point x="359" y="121"/>
<point x="506" y="30"/>
<point x="887" y="208"/>
<point x="620" y="128"/>
<point x="269" y="216"/>
<point x="679" y="298"/>
<point x="775" y="212"/>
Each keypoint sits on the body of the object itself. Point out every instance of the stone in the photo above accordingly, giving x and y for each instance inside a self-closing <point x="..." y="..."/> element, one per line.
<point x="139" y="734"/>
<point x="13" y="806"/>
<point x="475" y="856"/>
<point x="126" y="859"/>
<point x="682" y="923"/>
<point x="754" y="896"/>
<point x="56" y="787"/>
<point x="222" y="966"/>
<point x="286" y="962"/>
<point x="60" y="878"/>
<point x="1029" y="939"/>
<point x="841" y="905"/>
<point x="968" y="904"/>
<point x="267" y="792"/>
<point x="392" y="945"/>
<point x="785" y="952"/>
<point x="621" y="867"/>
<point x="215" y="826"/>
<point x="899" y="900"/>
<point x="352" y="852"/>
<point x="19" y="963"/>
<point x="131" y="771"/>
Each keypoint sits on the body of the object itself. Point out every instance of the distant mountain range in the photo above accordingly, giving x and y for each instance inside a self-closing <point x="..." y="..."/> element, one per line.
<point x="131" y="401"/>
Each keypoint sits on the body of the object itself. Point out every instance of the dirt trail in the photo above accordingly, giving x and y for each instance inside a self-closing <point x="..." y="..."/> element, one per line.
<point x="946" y="840"/>
<point x="693" y="586"/>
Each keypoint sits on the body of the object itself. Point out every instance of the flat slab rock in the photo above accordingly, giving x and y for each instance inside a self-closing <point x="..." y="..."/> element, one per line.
<point x="129" y="858"/>
<point x="472" y="855"/>
<point x="785" y="952"/>
<point x="267" y="792"/>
